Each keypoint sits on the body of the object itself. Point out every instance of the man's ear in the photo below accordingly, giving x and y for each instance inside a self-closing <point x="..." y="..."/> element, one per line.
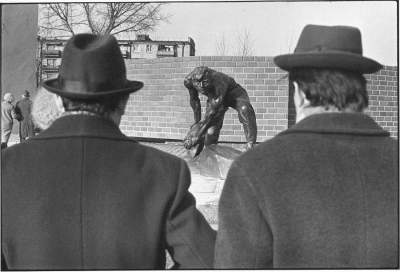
<point x="122" y="105"/>
<point x="300" y="98"/>
<point x="59" y="103"/>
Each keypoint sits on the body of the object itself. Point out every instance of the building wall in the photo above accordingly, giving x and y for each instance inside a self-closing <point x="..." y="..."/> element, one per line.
<point x="18" y="49"/>
<point x="185" y="50"/>
<point x="142" y="52"/>
<point x="19" y="45"/>
<point x="162" y="110"/>
<point x="383" y="98"/>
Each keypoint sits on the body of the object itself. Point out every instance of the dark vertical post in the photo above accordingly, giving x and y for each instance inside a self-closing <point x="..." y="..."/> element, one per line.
<point x="1" y="49"/>
<point x="39" y="62"/>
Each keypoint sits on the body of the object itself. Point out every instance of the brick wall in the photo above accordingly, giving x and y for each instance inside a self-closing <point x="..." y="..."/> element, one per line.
<point x="383" y="98"/>
<point x="162" y="110"/>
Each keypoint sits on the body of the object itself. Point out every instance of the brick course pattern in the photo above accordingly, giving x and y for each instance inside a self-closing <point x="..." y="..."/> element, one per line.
<point x="383" y="98"/>
<point x="162" y="110"/>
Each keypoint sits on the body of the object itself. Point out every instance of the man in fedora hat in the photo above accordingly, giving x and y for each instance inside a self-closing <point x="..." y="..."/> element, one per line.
<point x="323" y="193"/>
<point x="23" y="108"/>
<point x="88" y="197"/>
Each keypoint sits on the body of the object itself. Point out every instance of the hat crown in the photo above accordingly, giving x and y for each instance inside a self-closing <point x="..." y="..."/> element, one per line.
<point x="92" y="63"/>
<point x="92" y="66"/>
<point x="329" y="47"/>
<point x="317" y="38"/>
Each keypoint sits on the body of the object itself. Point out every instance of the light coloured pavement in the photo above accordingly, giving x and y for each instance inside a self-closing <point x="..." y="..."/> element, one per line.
<point x="206" y="187"/>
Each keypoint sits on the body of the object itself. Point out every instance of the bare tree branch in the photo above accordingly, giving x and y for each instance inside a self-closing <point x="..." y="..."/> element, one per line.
<point x="101" y="18"/>
<point x="62" y="12"/>
<point x="221" y="46"/>
<point x="244" y="43"/>
<point x="133" y="12"/>
<point x="142" y="18"/>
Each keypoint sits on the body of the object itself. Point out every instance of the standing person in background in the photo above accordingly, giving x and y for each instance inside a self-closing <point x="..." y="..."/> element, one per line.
<point x="8" y="115"/>
<point x="88" y="197"/>
<point x="23" y="109"/>
<point x="323" y="193"/>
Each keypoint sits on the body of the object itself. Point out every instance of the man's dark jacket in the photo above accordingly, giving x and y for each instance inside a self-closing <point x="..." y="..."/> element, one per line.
<point x="23" y="109"/>
<point x="81" y="195"/>
<point x="322" y="194"/>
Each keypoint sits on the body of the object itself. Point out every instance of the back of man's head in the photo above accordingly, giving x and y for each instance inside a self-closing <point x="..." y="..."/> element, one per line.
<point x="8" y="97"/>
<point x="328" y="67"/>
<point x="100" y="106"/>
<point x="92" y="77"/>
<point x="26" y="94"/>
<point x="344" y="90"/>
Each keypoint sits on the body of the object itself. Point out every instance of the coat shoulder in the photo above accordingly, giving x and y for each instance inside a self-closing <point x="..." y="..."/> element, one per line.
<point x="158" y="154"/>
<point x="272" y="150"/>
<point x="268" y="163"/>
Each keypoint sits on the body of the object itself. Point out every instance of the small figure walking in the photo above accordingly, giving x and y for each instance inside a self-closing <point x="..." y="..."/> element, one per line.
<point x="23" y="109"/>
<point x="8" y="115"/>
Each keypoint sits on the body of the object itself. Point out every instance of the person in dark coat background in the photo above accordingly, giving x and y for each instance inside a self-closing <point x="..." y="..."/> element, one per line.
<point x="23" y="108"/>
<point x="87" y="196"/>
<point x="323" y="193"/>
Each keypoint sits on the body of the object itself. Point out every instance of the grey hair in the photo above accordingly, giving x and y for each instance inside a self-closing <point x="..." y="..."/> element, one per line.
<point x="8" y="97"/>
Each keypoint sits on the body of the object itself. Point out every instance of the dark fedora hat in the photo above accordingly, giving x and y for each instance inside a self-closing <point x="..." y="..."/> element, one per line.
<point x="92" y="66"/>
<point x="337" y="47"/>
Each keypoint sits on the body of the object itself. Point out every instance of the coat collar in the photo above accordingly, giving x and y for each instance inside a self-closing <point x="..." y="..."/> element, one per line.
<point x="338" y="123"/>
<point x="82" y="125"/>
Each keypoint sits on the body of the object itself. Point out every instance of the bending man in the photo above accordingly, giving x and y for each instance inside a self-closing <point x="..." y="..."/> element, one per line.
<point x="222" y="92"/>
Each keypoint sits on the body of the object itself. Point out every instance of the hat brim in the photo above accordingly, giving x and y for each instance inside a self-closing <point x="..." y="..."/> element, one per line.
<point x="52" y="85"/>
<point x="338" y="60"/>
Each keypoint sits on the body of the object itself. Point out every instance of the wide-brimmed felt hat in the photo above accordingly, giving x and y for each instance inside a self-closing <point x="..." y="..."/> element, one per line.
<point x="337" y="47"/>
<point x="92" y="66"/>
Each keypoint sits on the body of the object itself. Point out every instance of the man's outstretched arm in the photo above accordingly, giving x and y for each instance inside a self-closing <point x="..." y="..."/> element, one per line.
<point x="194" y="99"/>
<point x="215" y="106"/>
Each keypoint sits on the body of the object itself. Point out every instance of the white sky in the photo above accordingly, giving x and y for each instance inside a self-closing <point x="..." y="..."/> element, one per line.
<point x="274" y="27"/>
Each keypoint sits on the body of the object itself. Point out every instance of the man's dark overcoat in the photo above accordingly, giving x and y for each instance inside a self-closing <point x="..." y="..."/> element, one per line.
<point x="81" y="195"/>
<point x="322" y="194"/>
<point x="23" y="108"/>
